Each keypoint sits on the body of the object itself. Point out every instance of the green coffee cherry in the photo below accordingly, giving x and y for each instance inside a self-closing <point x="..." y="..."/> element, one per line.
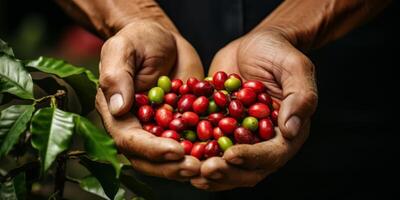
<point x="156" y="95"/>
<point x="250" y="123"/>
<point x="164" y="83"/>
<point x="189" y="135"/>
<point x="212" y="107"/>
<point x="224" y="143"/>
<point x="208" y="78"/>
<point x="232" y="84"/>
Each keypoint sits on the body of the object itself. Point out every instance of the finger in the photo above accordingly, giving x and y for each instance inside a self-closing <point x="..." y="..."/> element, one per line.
<point x="117" y="65"/>
<point x="133" y="140"/>
<point x="299" y="95"/>
<point x="216" y="174"/>
<point x="269" y="155"/>
<point x="225" y="60"/>
<point x="188" y="62"/>
<point x="181" y="170"/>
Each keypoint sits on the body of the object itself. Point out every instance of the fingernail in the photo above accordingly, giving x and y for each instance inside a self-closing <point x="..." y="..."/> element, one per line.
<point x="116" y="103"/>
<point x="186" y="173"/>
<point x="236" y="161"/>
<point x="216" y="175"/>
<point x="293" y="125"/>
<point x="172" y="156"/>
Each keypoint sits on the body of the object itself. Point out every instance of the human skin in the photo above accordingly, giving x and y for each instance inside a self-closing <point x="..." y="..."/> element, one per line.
<point x="141" y="44"/>
<point x="273" y="53"/>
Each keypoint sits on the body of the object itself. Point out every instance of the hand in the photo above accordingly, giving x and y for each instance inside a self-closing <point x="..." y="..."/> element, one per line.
<point x="269" y="57"/>
<point x="132" y="60"/>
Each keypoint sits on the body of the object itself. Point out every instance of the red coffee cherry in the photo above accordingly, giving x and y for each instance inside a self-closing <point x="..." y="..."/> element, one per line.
<point x="227" y="125"/>
<point x="264" y="98"/>
<point x="187" y="146"/>
<point x="214" y="118"/>
<point x="177" y="125"/>
<point x="257" y="86"/>
<point x="190" y="118"/>
<point x="217" y="133"/>
<point x="266" y="129"/>
<point x="141" y="99"/>
<point x="198" y="150"/>
<point x="243" y="136"/>
<point x="259" y="110"/>
<point x="171" y="99"/>
<point x="219" y="79"/>
<point x="171" y="134"/>
<point x="185" y="102"/>
<point x="200" y="105"/>
<point x="204" y="130"/>
<point x="247" y="96"/>
<point x="184" y="89"/>
<point x="163" y="117"/>
<point x="156" y="130"/>
<point x="203" y="88"/>
<point x="211" y="149"/>
<point x="175" y="85"/>
<point x="236" y="109"/>
<point x="221" y="99"/>
<point x="145" y="113"/>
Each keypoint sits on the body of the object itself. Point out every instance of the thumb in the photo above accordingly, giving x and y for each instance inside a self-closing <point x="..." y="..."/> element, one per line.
<point x="300" y="96"/>
<point x="116" y="74"/>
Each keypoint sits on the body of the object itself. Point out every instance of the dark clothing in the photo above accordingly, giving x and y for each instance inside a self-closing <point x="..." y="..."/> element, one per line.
<point x="352" y="144"/>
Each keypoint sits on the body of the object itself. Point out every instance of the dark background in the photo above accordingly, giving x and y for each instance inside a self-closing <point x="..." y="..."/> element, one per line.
<point x="353" y="146"/>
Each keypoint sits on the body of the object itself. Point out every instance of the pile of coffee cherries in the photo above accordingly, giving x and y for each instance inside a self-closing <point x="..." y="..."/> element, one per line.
<point x="208" y="116"/>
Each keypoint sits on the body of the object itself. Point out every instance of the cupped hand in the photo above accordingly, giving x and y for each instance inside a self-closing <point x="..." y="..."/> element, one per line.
<point x="288" y="74"/>
<point x="132" y="60"/>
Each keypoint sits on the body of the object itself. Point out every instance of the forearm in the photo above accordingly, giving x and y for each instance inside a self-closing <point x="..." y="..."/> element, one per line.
<point x="108" y="16"/>
<point x="313" y="23"/>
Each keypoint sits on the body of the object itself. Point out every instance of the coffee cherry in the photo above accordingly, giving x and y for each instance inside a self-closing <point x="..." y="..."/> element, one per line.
<point x="165" y="83"/>
<point x="204" y="130"/>
<point x="177" y="125"/>
<point x="171" y="134"/>
<point x="175" y="85"/>
<point x="187" y="146"/>
<point x="275" y="104"/>
<point x="256" y="86"/>
<point x="235" y="76"/>
<point x="190" y="118"/>
<point x="232" y="84"/>
<point x="227" y="125"/>
<point x="264" y="98"/>
<point x="243" y="136"/>
<point x="203" y="88"/>
<point x="224" y="143"/>
<point x="156" y="130"/>
<point x="214" y="118"/>
<point x="247" y="96"/>
<point x="163" y="117"/>
<point x="259" y="110"/>
<point x="212" y="107"/>
<point x="200" y="105"/>
<point x="219" y="79"/>
<point x="265" y="129"/>
<point x="221" y="99"/>
<point x="145" y="113"/>
<point x="166" y="106"/>
<point x="156" y="95"/>
<point x="211" y="149"/>
<point x="217" y="133"/>
<point x="250" y="123"/>
<point x="191" y="82"/>
<point x="141" y="99"/>
<point x="189" y="135"/>
<point x="208" y="79"/>
<point x="177" y="115"/>
<point x="274" y="116"/>
<point x="147" y="127"/>
<point x="236" y="109"/>
<point x="171" y="99"/>
<point x="185" y="102"/>
<point x="184" y="89"/>
<point x="198" y="150"/>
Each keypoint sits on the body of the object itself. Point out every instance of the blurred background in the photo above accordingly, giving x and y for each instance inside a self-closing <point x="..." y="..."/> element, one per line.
<point x="353" y="147"/>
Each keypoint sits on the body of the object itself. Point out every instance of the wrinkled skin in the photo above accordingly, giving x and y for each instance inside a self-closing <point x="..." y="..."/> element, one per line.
<point x="266" y="56"/>
<point x="131" y="61"/>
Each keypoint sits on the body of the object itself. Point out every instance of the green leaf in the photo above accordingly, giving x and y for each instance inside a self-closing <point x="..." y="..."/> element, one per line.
<point x="105" y="174"/>
<point x="14" y="78"/>
<point x="52" y="130"/>
<point x="92" y="185"/>
<point x="14" y="189"/>
<point x="82" y="80"/>
<point x="98" y="145"/>
<point x="13" y="122"/>
<point x="137" y="186"/>
<point x="5" y="48"/>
